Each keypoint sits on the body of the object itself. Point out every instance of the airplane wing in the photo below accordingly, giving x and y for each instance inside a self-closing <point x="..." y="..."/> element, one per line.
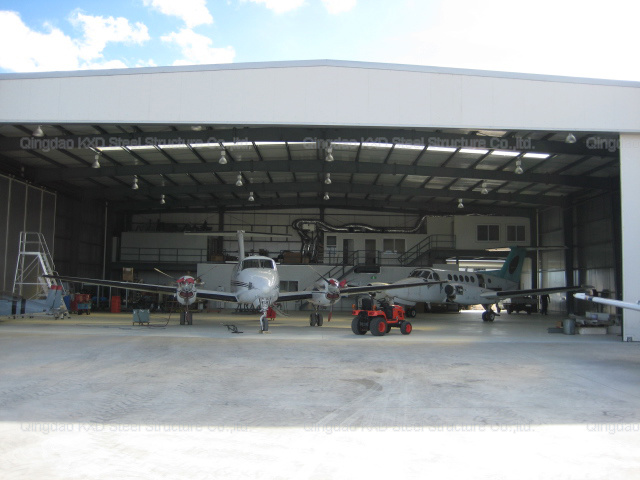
<point x="607" y="301"/>
<point x="143" y="287"/>
<point x="215" y="295"/>
<point x="306" y="294"/>
<point x="534" y="291"/>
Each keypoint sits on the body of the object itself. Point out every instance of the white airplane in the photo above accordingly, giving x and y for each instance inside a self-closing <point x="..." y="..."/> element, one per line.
<point x="11" y="305"/>
<point x="484" y="288"/>
<point x="254" y="281"/>
<point x="608" y="301"/>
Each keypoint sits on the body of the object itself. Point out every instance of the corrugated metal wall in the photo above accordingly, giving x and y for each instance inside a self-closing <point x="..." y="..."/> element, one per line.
<point x="595" y="247"/>
<point x="23" y="207"/>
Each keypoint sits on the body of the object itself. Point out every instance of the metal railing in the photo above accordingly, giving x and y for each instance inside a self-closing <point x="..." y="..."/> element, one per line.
<point x="432" y="242"/>
<point x="163" y="255"/>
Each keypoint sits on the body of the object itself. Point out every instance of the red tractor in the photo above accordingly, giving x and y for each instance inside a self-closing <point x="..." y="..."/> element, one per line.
<point x="378" y="320"/>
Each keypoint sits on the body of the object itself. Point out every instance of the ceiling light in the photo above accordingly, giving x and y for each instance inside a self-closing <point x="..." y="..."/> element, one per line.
<point x="251" y="199"/>
<point x="326" y="196"/>
<point x="329" y="157"/>
<point x="460" y="204"/>
<point x="197" y="128"/>
<point x="239" y="182"/>
<point x="441" y="149"/>
<point x="505" y="153"/>
<point x="96" y="161"/>
<point x="571" y="138"/>
<point x="537" y="155"/>
<point x="162" y="200"/>
<point x="38" y="132"/>
<point x="327" y="179"/>
<point x="518" y="169"/>
<point x="223" y="157"/>
<point x="134" y="186"/>
<point x="484" y="190"/>
<point x="474" y="151"/>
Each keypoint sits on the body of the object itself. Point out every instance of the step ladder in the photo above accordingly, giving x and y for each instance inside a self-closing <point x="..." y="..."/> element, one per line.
<point x="34" y="260"/>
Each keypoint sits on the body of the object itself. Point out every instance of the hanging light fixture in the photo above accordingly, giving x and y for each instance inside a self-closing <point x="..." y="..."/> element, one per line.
<point x="484" y="190"/>
<point x="518" y="169"/>
<point x="38" y="132"/>
<point x="327" y="179"/>
<point x="460" y="204"/>
<point x="162" y="200"/>
<point x="223" y="157"/>
<point x="251" y="198"/>
<point x="134" y="186"/>
<point x="571" y="138"/>
<point x="96" y="161"/>
<point x="326" y="196"/>
<point x="329" y="157"/>
<point x="239" y="181"/>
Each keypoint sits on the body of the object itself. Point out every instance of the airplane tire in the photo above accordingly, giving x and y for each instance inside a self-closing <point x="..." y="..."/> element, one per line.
<point x="489" y="316"/>
<point x="312" y="320"/>
<point x="356" y="326"/>
<point x="406" y="328"/>
<point x="181" y="318"/>
<point x="378" y="327"/>
<point x="320" y="320"/>
<point x="411" y="312"/>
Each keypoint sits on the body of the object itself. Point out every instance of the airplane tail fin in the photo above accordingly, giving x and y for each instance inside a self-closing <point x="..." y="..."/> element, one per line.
<point x="512" y="267"/>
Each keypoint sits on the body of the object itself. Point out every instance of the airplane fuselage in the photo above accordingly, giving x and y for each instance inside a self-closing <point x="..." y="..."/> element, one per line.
<point x="464" y="288"/>
<point x="255" y="280"/>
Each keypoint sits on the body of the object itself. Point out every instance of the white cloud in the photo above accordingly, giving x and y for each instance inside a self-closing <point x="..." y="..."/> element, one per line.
<point x="339" y="6"/>
<point x="54" y="50"/>
<point x="98" y="31"/>
<point x="198" y="49"/>
<point x="192" y="12"/>
<point x="550" y="37"/>
<point x="280" y="6"/>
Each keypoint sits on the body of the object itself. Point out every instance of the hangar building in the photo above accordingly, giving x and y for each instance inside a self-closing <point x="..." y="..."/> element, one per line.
<point x="369" y="169"/>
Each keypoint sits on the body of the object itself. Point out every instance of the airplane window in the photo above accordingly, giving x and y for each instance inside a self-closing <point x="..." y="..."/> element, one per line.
<point x="436" y="277"/>
<point x="251" y="264"/>
<point x="466" y="278"/>
<point x="455" y="277"/>
<point x="266" y="264"/>
<point x="415" y="273"/>
<point x="473" y="280"/>
<point x="449" y="276"/>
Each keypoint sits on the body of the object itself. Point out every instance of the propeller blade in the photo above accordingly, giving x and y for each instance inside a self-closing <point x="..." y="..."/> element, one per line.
<point x="165" y="274"/>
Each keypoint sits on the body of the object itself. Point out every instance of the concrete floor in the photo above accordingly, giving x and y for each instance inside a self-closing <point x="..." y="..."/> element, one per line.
<point x="95" y="397"/>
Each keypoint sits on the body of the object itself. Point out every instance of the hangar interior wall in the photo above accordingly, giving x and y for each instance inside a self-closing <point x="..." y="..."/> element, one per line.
<point x="23" y="207"/>
<point x="595" y="249"/>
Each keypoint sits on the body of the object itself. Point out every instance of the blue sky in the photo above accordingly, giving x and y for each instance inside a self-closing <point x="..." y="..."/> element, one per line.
<point x="560" y="37"/>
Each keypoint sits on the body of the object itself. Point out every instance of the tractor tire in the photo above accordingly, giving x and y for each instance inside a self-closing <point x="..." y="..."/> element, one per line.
<point x="356" y="326"/>
<point x="378" y="327"/>
<point x="406" y="328"/>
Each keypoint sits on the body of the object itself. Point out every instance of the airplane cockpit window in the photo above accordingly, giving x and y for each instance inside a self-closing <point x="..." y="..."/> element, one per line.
<point x="436" y="277"/>
<point x="264" y="263"/>
<point x="416" y="274"/>
<point x="258" y="263"/>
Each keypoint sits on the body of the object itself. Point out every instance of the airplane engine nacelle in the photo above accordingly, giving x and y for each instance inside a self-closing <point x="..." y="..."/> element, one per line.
<point x="452" y="291"/>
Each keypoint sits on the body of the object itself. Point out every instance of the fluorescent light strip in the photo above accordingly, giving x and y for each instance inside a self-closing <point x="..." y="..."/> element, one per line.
<point x="537" y="155"/>
<point x="505" y="153"/>
<point x="474" y="151"/>
<point x="442" y="149"/>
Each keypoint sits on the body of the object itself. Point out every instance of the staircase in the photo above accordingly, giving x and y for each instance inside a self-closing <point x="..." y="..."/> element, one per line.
<point x="34" y="260"/>
<point x="424" y="250"/>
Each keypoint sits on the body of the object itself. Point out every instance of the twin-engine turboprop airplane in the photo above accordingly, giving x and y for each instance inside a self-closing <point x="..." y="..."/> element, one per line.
<point x="254" y="281"/>
<point x="484" y="288"/>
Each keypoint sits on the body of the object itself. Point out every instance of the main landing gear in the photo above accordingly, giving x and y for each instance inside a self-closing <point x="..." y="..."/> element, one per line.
<point x="315" y="319"/>
<point x="186" y="318"/>
<point x="488" y="315"/>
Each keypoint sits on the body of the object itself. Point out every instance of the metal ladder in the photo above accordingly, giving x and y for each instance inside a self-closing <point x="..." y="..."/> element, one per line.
<point x="34" y="260"/>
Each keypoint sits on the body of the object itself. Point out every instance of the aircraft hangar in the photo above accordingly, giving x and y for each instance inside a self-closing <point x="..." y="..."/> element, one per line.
<point x="358" y="163"/>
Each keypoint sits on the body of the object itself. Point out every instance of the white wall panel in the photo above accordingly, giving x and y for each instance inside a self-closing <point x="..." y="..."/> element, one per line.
<point x="630" y="199"/>
<point x="322" y="92"/>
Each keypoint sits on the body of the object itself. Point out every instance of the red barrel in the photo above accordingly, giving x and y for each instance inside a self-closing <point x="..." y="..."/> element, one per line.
<point x="116" y="301"/>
